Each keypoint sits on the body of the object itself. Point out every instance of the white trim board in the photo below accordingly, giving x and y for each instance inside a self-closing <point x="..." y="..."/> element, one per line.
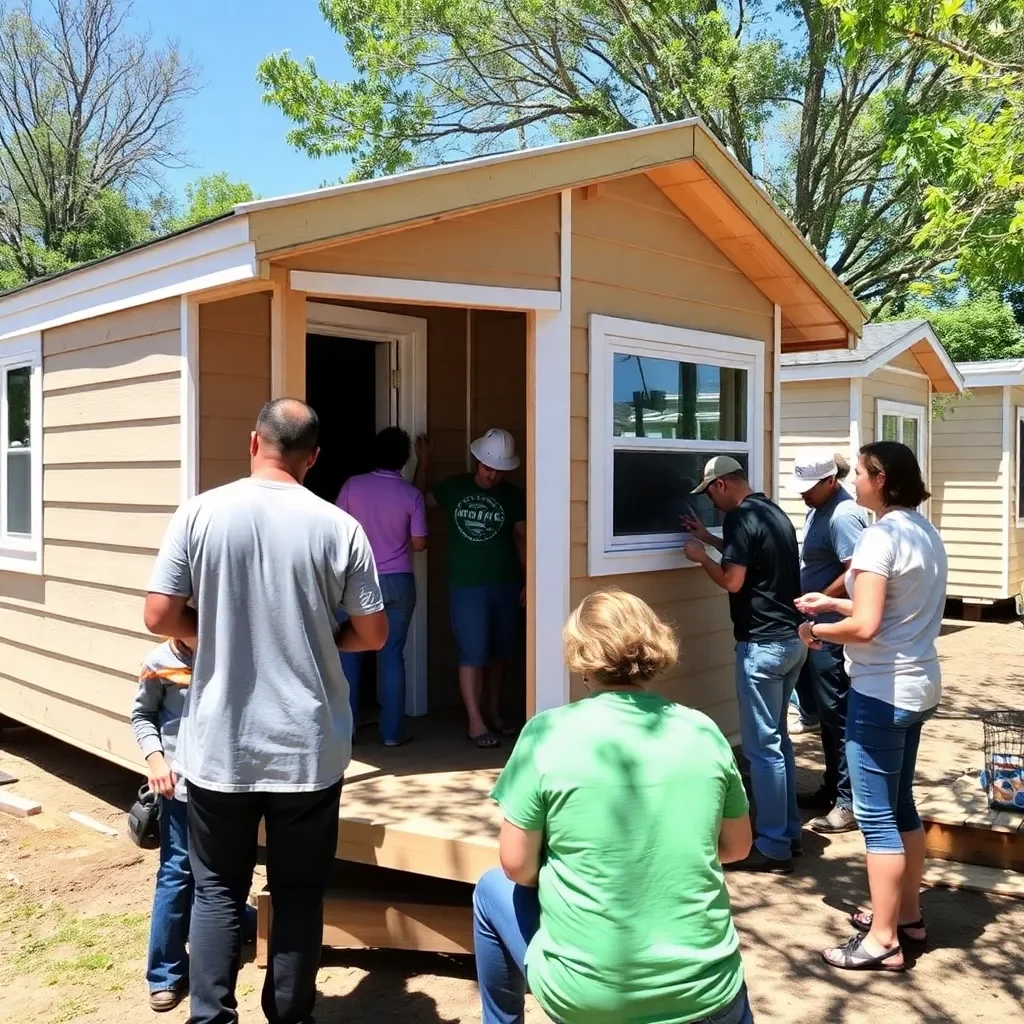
<point x="993" y="373"/>
<point x="777" y="404"/>
<point x="1005" y="469"/>
<point x="549" y="440"/>
<point x="840" y="369"/>
<point x="216" y="255"/>
<point x="409" y="334"/>
<point x="189" y="398"/>
<point x="431" y="293"/>
<point x="1015" y="478"/>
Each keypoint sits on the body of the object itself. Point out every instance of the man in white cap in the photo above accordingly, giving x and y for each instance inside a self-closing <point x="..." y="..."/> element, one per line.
<point x="834" y="523"/>
<point x="486" y="569"/>
<point x="760" y="569"/>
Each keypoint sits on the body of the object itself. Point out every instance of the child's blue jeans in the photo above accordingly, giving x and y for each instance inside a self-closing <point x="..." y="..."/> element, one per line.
<point x="167" y="964"/>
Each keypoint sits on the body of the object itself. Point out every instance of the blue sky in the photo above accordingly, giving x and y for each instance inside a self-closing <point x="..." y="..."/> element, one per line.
<point x="227" y="126"/>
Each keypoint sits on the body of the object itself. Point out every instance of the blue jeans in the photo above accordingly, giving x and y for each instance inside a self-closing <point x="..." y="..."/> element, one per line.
<point x="766" y="673"/>
<point x="167" y="966"/>
<point x="506" y="916"/>
<point x="881" y="750"/>
<point x="398" y="591"/>
<point x="485" y="621"/>
<point x="826" y="672"/>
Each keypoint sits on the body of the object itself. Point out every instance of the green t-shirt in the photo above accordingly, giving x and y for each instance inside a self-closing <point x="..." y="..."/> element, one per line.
<point x="481" y="542"/>
<point x="630" y="790"/>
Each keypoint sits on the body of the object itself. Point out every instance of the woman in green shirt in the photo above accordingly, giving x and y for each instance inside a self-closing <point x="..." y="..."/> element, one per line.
<point x="620" y="810"/>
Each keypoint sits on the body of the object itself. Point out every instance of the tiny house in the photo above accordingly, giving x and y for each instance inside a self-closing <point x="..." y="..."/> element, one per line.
<point x="881" y="389"/>
<point x="619" y="304"/>
<point x="976" y="483"/>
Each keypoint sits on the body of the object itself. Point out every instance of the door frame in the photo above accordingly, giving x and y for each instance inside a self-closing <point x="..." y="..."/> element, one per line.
<point x="408" y="337"/>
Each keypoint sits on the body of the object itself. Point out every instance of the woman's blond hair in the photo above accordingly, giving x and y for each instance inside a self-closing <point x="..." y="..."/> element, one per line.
<point x="614" y="637"/>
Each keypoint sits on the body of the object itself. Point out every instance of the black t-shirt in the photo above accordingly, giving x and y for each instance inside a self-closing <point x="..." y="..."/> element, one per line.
<point x="759" y="535"/>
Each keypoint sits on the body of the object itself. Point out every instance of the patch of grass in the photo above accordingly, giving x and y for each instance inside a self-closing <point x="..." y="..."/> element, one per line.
<point x="244" y="989"/>
<point x="72" y="1008"/>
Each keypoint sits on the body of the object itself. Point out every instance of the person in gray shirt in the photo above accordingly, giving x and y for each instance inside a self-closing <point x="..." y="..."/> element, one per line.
<point x="833" y="525"/>
<point x="266" y="727"/>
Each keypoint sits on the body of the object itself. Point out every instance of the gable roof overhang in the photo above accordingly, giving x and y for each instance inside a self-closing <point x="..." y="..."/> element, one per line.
<point x="682" y="159"/>
<point x="993" y="373"/>
<point x="879" y="346"/>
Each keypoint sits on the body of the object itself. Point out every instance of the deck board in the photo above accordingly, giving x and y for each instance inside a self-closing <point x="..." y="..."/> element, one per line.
<point x="424" y="807"/>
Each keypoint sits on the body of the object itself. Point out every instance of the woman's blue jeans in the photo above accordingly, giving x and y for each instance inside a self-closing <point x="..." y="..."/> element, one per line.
<point x="398" y="591"/>
<point x="881" y="751"/>
<point x="505" y="917"/>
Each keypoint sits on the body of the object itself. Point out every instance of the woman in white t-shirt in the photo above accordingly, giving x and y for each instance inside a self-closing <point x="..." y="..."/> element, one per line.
<point x="897" y="586"/>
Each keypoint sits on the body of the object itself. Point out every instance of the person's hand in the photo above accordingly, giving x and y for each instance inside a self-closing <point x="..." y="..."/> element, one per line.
<point x="693" y="525"/>
<point x="160" y="777"/>
<point x="814" y="604"/>
<point x="694" y="551"/>
<point x="805" y="635"/>
<point x="422" y="448"/>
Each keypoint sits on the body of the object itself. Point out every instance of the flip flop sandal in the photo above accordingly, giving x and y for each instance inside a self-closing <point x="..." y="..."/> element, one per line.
<point x="485" y="741"/>
<point x="853" y="957"/>
<point x="863" y="919"/>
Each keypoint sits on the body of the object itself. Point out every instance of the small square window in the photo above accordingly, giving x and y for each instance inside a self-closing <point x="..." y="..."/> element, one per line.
<point x="663" y="401"/>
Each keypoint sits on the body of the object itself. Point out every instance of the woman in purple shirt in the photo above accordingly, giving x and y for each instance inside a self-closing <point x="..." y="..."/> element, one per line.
<point x="393" y="514"/>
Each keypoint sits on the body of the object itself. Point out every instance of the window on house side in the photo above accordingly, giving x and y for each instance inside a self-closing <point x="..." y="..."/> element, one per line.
<point x="664" y="400"/>
<point x="21" y="454"/>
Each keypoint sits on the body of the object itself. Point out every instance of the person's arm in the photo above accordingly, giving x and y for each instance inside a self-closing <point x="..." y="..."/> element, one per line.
<point x="729" y="577"/>
<point x="734" y="839"/>
<point x="418" y="524"/>
<point x="734" y="835"/>
<point x="519" y="852"/>
<point x="519" y="538"/>
<point x="166" y="611"/>
<point x="865" y="618"/>
<point x="700" y="532"/>
<point x="146" y="726"/>
<point x="419" y="478"/>
<point x="366" y="628"/>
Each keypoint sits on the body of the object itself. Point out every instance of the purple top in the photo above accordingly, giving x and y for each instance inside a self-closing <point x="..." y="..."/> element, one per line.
<point x="390" y="511"/>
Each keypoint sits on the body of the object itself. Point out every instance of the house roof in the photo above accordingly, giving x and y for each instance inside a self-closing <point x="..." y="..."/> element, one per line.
<point x="879" y="345"/>
<point x="692" y="169"/>
<point x="989" y="373"/>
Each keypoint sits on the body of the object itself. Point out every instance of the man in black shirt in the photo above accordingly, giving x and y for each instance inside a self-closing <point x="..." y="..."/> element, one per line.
<point x="760" y="570"/>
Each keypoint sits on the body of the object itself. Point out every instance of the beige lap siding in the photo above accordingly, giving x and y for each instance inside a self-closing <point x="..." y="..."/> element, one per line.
<point x="234" y="383"/>
<point x="635" y="256"/>
<point x="968" y="501"/>
<point x="815" y="413"/>
<point x="887" y="386"/>
<point x="72" y="640"/>
<point x="514" y="246"/>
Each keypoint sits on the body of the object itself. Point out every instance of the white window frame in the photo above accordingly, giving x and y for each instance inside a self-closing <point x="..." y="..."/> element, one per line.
<point x="20" y="553"/>
<point x="904" y="410"/>
<point x="1018" y="518"/>
<point x="608" y="555"/>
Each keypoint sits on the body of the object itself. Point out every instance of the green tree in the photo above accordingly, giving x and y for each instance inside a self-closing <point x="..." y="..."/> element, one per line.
<point x="209" y="197"/>
<point x="967" y="152"/>
<point x="981" y="327"/>
<point x="89" y="117"/>
<point x="438" y="80"/>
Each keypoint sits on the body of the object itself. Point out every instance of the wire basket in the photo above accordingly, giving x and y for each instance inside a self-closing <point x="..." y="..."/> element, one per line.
<point x="1003" y="777"/>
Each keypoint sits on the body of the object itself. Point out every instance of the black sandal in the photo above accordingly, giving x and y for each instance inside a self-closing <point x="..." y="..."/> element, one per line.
<point x="863" y="919"/>
<point x="853" y="957"/>
<point x="485" y="741"/>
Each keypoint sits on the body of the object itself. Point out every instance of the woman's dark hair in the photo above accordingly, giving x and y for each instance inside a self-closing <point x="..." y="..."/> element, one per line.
<point x="391" y="449"/>
<point x="904" y="486"/>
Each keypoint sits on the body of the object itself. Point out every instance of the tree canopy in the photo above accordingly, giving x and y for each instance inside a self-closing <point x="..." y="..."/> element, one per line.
<point x="209" y="197"/>
<point x="819" y="122"/>
<point x="978" y="327"/>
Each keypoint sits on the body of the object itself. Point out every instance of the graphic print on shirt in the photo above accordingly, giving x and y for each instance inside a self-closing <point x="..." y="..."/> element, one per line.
<point x="479" y="517"/>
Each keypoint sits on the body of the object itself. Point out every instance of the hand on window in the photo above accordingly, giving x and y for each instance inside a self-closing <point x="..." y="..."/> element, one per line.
<point x="694" y="551"/>
<point x="693" y="525"/>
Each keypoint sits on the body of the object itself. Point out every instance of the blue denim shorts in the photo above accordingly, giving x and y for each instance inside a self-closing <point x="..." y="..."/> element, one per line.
<point x="485" y="621"/>
<point x="881" y="753"/>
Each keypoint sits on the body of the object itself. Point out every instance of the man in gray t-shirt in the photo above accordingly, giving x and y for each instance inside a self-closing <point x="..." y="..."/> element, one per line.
<point x="266" y="728"/>
<point x="833" y="525"/>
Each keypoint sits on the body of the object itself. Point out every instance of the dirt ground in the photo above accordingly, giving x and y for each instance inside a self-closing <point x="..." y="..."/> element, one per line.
<point x="74" y="905"/>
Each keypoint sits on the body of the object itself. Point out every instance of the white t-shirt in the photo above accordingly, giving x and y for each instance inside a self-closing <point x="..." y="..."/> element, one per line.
<point x="901" y="665"/>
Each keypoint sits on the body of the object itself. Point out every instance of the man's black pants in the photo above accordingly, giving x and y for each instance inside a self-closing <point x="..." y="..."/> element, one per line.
<point x="301" y="841"/>
<point x="826" y="674"/>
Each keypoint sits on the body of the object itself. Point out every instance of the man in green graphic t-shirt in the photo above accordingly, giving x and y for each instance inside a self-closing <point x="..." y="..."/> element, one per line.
<point x="486" y="560"/>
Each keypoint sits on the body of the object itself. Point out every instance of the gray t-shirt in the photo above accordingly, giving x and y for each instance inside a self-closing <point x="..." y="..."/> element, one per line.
<point x="269" y="564"/>
<point x="901" y="665"/>
<point x="830" y="535"/>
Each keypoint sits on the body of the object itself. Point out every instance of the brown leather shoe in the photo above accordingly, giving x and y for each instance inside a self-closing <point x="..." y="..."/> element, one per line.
<point x="167" y="999"/>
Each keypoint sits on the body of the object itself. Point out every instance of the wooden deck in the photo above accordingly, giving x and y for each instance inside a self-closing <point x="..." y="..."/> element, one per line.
<point x="423" y="807"/>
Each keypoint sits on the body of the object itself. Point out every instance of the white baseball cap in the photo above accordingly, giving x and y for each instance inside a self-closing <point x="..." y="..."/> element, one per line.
<point x="496" y="450"/>
<point x="810" y="466"/>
